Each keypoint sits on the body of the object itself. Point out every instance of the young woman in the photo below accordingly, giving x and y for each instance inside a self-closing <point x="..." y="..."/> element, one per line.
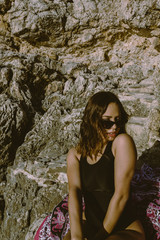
<point x="100" y="169"/>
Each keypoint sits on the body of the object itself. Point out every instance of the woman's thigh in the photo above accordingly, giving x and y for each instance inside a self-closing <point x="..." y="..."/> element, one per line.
<point x="126" y="235"/>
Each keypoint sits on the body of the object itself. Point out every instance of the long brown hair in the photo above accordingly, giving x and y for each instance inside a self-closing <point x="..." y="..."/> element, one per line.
<point x="91" y="130"/>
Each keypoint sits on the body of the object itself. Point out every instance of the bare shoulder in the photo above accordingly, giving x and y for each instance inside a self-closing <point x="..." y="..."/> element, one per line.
<point x="73" y="155"/>
<point x="123" y="138"/>
<point x="123" y="141"/>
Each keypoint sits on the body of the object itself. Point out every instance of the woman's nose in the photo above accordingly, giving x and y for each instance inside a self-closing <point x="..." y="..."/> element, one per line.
<point x="114" y="126"/>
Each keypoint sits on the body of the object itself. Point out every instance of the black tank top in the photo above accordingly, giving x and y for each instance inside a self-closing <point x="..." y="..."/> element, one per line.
<point x="98" y="188"/>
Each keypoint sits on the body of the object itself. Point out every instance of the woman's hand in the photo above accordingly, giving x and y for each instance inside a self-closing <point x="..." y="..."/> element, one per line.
<point x="78" y="238"/>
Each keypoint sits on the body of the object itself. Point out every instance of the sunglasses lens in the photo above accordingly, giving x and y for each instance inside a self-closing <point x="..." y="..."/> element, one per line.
<point x="108" y="124"/>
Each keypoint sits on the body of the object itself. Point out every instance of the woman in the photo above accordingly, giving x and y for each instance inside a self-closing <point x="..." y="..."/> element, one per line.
<point x="100" y="169"/>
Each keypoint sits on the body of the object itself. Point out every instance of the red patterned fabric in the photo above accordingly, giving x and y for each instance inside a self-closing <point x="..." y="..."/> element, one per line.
<point x="60" y="220"/>
<point x="44" y="231"/>
<point x="153" y="213"/>
<point x="146" y="196"/>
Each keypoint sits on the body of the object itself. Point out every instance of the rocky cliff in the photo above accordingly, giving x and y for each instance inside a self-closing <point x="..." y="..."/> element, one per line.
<point x="54" y="54"/>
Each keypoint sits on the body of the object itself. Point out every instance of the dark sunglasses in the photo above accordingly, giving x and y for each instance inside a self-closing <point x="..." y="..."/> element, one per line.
<point x="108" y="124"/>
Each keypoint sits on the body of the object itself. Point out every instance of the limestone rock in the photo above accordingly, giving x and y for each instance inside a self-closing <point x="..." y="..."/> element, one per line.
<point x="35" y="186"/>
<point x="4" y="6"/>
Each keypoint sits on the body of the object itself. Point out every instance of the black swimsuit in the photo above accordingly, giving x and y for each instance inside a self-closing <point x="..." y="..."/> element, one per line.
<point x="98" y="188"/>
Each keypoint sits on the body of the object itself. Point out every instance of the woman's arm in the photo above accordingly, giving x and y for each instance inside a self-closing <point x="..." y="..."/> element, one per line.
<point x="75" y="197"/>
<point x="125" y="159"/>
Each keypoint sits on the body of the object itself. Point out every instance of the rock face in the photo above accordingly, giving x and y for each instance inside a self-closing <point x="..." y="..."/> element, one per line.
<point x="53" y="56"/>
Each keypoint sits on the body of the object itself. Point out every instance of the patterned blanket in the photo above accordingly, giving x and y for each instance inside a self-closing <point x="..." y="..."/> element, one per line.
<point x="146" y="196"/>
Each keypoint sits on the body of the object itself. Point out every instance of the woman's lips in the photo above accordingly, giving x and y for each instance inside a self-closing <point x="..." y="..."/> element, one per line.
<point x="112" y="134"/>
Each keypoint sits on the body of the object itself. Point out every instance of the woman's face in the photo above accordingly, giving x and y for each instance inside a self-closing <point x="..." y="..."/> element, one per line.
<point x="112" y="113"/>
